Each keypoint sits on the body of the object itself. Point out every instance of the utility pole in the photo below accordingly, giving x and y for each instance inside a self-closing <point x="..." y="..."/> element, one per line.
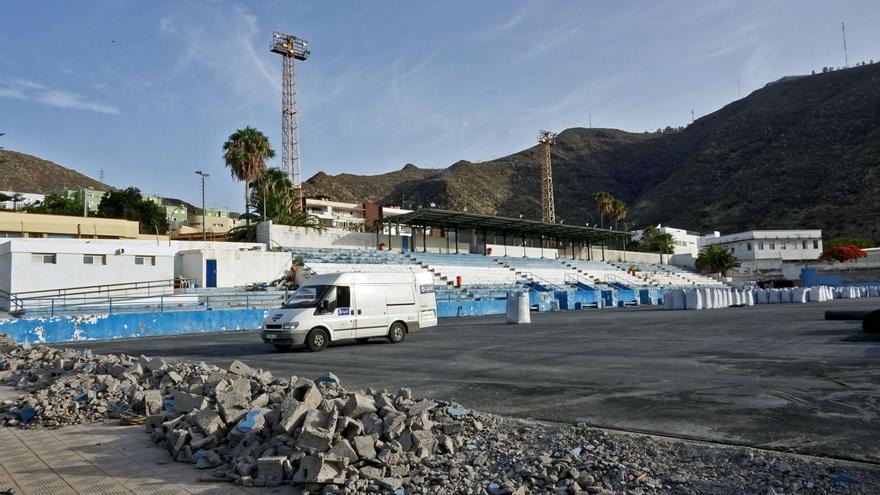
<point x="85" y="203"/>
<point x="845" y="56"/>
<point x="548" y="203"/>
<point x="290" y="48"/>
<point x="204" y="231"/>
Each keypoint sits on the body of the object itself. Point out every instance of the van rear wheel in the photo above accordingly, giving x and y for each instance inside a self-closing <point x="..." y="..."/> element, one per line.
<point x="397" y="332"/>
<point x="317" y="339"/>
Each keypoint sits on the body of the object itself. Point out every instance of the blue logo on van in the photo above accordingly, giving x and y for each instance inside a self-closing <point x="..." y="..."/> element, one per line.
<point x="426" y="289"/>
<point x="277" y="316"/>
<point x="343" y="311"/>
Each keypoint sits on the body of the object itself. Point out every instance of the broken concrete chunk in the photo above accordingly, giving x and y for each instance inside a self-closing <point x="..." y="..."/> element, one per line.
<point x="365" y="446"/>
<point x="372" y="424"/>
<point x="270" y="470"/>
<point x="359" y="404"/>
<point x="424" y="439"/>
<point x="241" y="369"/>
<point x="209" y="421"/>
<point x="421" y="406"/>
<point x="394" y="423"/>
<point x="296" y="404"/>
<point x="235" y="401"/>
<point x="343" y="449"/>
<point x="153" y="402"/>
<point x="317" y="469"/>
<point x="185" y="402"/>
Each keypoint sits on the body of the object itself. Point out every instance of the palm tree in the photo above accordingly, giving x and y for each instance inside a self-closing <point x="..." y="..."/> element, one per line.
<point x="603" y="201"/>
<point x="716" y="259"/>
<point x="273" y="198"/>
<point x="277" y="201"/>
<point x="245" y="153"/>
<point x="618" y="211"/>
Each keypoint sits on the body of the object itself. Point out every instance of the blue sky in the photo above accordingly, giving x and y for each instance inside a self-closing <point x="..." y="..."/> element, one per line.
<point x="148" y="91"/>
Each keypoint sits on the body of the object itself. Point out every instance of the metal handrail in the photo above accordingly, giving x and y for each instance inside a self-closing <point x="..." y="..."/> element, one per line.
<point x="542" y="281"/>
<point x="613" y="278"/>
<point x="578" y="279"/>
<point x="164" y="302"/>
<point x="99" y="289"/>
<point x="15" y="304"/>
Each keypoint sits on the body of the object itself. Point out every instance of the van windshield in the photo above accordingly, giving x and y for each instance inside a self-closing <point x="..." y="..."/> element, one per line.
<point x="306" y="297"/>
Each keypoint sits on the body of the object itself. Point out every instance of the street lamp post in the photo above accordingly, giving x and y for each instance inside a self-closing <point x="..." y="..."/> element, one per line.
<point x="204" y="232"/>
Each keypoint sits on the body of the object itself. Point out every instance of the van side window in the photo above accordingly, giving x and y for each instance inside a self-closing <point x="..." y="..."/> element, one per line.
<point x="330" y="299"/>
<point x="343" y="297"/>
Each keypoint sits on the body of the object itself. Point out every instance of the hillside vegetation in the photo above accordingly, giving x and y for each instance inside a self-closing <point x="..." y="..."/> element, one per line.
<point x="25" y="173"/>
<point x="799" y="153"/>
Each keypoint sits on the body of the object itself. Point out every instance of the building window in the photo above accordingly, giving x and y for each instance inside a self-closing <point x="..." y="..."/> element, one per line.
<point x="144" y="260"/>
<point x="44" y="258"/>
<point x="732" y="249"/>
<point x="749" y="246"/>
<point x="804" y="244"/>
<point x="784" y="245"/>
<point x="94" y="259"/>
<point x="760" y="246"/>
<point x="815" y="244"/>
<point x="772" y="245"/>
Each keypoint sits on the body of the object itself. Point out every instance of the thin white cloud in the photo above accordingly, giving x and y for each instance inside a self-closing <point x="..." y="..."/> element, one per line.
<point x="66" y="99"/>
<point x="21" y="89"/>
<point x="228" y="47"/>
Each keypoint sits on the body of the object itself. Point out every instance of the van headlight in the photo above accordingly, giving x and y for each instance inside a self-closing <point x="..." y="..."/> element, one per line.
<point x="290" y="325"/>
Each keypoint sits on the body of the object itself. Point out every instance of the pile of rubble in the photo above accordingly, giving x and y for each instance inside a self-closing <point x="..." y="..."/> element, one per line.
<point x="246" y="426"/>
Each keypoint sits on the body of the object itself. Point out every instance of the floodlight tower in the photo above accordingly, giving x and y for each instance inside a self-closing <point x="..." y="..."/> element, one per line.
<point x="290" y="48"/>
<point x="548" y="203"/>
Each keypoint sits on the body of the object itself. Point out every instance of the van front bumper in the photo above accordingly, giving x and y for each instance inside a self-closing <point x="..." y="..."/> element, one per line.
<point x="283" y="337"/>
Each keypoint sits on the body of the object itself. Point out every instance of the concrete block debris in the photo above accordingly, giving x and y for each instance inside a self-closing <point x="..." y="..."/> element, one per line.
<point x="249" y="427"/>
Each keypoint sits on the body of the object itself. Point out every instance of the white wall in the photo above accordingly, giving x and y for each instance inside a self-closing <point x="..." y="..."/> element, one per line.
<point x="235" y="268"/>
<point x="5" y="267"/>
<point x="19" y="273"/>
<point x="287" y="236"/>
<point x="520" y="251"/>
<point x="768" y="244"/>
<point x="70" y="271"/>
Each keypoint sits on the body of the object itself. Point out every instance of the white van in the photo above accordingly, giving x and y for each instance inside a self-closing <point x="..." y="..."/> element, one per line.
<point x="356" y="306"/>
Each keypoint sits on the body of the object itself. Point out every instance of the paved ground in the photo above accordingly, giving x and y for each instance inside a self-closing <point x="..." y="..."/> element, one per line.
<point x="97" y="459"/>
<point x="775" y="376"/>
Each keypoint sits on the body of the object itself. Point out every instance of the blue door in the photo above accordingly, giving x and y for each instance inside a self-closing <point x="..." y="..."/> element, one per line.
<point x="404" y="244"/>
<point x="210" y="273"/>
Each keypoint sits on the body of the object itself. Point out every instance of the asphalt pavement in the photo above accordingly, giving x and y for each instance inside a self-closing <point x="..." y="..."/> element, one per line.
<point x="773" y="376"/>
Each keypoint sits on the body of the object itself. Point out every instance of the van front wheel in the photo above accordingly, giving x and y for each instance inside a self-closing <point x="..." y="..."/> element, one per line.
<point x="317" y="339"/>
<point x="397" y="333"/>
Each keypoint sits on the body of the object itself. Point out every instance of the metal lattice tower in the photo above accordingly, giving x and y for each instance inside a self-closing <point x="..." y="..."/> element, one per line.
<point x="290" y="48"/>
<point x="548" y="203"/>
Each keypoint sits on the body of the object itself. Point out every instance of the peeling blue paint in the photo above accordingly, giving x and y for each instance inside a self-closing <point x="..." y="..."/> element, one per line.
<point x="125" y="325"/>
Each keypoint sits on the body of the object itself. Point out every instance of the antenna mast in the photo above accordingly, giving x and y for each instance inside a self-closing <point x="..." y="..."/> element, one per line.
<point x="845" y="57"/>
<point x="290" y="48"/>
<point x="548" y="203"/>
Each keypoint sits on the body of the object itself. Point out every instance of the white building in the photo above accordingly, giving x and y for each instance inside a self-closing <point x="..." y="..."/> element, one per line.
<point x="770" y="244"/>
<point x="683" y="241"/>
<point x="27" y="199"/>
<point x="28" y="265"/>
<point x="348" y="216"/>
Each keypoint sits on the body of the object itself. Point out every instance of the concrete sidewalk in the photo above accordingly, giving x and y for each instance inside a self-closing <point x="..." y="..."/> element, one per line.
<point x="97" y="459"/>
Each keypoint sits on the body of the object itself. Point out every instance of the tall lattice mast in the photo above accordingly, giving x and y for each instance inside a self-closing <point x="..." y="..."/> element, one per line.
<point x="290" y="47"/>
<point x="548" y="203"/>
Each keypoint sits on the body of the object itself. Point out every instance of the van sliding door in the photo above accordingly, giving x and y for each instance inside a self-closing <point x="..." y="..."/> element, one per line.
<point x="371" y="312"/>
